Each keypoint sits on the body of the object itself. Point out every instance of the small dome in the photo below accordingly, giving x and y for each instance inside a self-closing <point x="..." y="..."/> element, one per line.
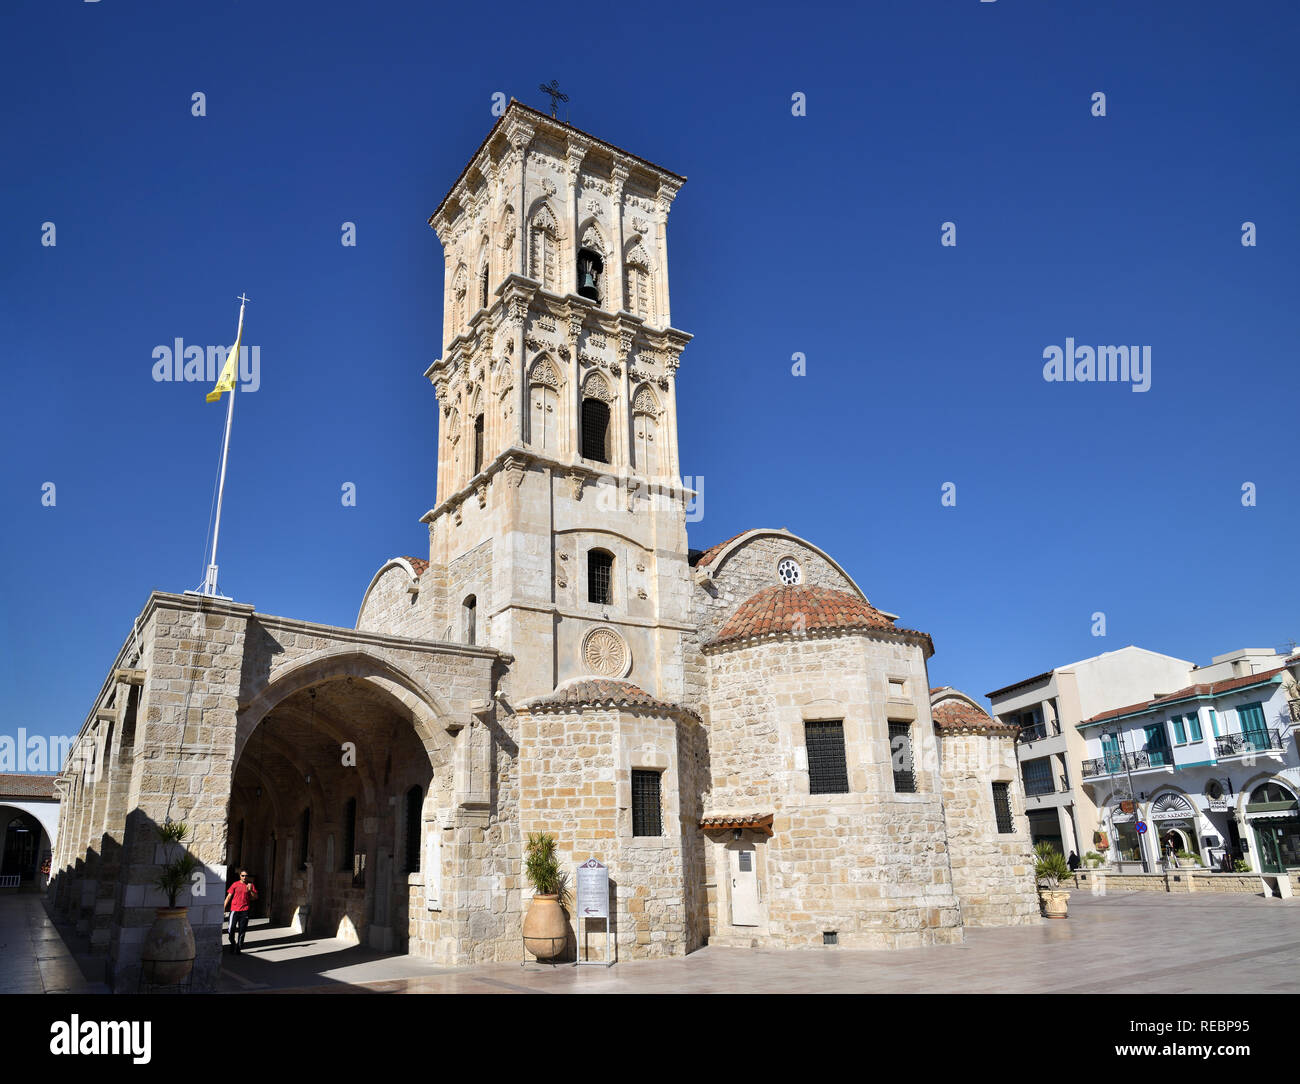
<point x="800" y="610"/>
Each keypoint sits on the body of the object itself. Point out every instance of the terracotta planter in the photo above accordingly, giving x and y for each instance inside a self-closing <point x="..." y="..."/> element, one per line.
<point x="167" y="956"/>
<point x="1055" y="904"/>
<point x="545" y="927"/>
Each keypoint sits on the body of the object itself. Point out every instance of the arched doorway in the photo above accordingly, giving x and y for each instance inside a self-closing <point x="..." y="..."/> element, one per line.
<point x="321" y="810"/>
<point x="25" y="846"/>
<point x="1174" y="819"/>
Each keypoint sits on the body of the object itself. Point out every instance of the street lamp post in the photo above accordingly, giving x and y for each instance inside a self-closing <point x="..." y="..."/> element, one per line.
<point x="1118" y="735"/>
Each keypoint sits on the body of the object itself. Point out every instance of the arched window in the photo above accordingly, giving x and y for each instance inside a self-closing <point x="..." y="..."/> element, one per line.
<point x="483" y="287"/>
<point x="645" y="432"/>
<point x="595" y="430"/>
<point x="414" y="812"/>
<point x="544" y="399"/>
<point x="544" y="248"/>
<point x="478" y="444"/>
<point x="590" y="268"/>
<point x="600" y="577"/>
<point x="470" y="607"/>
<point x="349" y="835"/>
<point x="1271" y="792"/>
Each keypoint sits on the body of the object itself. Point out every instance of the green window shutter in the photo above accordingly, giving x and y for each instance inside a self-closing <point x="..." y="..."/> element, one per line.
<point x="1214" y="723"/>
<point x="1180" y="735"/>
<point x="1194" y="726"/>
<point x="1252" y="724"/>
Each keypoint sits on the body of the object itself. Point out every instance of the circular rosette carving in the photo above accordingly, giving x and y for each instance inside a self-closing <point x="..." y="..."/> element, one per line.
<point x="606" y="653"/>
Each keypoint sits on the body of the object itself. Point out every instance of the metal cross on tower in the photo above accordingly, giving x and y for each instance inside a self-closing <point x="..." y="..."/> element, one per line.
<point x="554" y="91"/>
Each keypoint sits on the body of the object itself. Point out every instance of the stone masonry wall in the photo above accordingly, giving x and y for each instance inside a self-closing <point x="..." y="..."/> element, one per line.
<point x="992" y="872"/>
<point x="870" y="865"/>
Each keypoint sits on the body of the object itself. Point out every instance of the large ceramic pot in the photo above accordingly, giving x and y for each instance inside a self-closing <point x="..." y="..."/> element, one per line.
<point x="1056" y="904"/>
<point x="167" y="956"/>
<point x="545" y="927"/>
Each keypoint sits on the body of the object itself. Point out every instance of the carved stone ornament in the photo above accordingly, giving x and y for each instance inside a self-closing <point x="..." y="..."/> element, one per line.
<point x="596" y="340"/>
<point x="575" y="481"/>
<point x="548" y="186"/>
<point x="593" y="208"/>
<point x="455" y="515"/>
<point x="564" y="557"/>
<point x="546" y="323"/>
<point x="644" y="402"/>
<point x="640" y="224"/>
<point x="482" y="491"/>
<point x="588" y="359"/>
<point x="544" y="373"/>
<point x="640" y="567"/>
<point x="606" y="653"/>
<point x="595" y="387"/>
<point x="641" y="593"/>
<point x="624" y="345"/>
<point x="591" y="236"/>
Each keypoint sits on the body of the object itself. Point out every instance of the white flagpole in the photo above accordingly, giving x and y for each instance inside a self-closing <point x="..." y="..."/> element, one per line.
<point x="210" y="582"/>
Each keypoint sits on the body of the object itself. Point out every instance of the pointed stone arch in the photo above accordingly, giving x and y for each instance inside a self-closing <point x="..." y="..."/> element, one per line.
<point x="645" y="401"/>
<point x="597" y="387"/>
<point x="593" y="238"/>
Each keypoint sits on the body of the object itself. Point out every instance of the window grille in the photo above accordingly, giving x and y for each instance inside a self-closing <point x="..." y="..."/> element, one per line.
<point x="1002" y="807"/>
<point x="900" y="749"/>
<point x="595" y="429"/>
<point x="600" y="573"/>
<point x="828" y="771"/>
<point x="1037" y="775"/>
<point x="647" y="819"/>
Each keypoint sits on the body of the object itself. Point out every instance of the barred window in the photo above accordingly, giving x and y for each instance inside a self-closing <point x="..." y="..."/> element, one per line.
<point x="595" y="430"/>
<point x="900" y="751"/>
<point x="600" y="574"/>
<point x="1002" y="807"/>
<point x="478" y="444"/>
<point x="828" y="771"/>
<point x="647" y="819"/>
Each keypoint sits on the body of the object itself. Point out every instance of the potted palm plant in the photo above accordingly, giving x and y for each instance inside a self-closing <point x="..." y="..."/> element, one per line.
<point x="1050" y="870"/>
<point x="546" y="928"/>
<point x="167" y="956"/>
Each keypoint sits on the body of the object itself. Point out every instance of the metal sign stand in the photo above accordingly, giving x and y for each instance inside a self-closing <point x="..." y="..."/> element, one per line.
<point x="593" y="903"/>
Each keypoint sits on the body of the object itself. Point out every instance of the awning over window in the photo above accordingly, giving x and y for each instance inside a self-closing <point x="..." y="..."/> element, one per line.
<point x="758" y="822"/>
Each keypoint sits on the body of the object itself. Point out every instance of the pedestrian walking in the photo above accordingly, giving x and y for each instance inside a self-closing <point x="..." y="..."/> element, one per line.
<point x="239" y="899"/>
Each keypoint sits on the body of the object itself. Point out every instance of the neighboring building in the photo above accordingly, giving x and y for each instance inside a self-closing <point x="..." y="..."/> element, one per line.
<point x="29" y="818"/>
<point x="1211" y="767"/>
<point x="1047" y="708"/>
<point x="738" y="734"/>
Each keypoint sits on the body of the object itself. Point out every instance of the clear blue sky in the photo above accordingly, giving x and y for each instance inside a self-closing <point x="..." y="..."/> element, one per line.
<point x="818" y="234"/>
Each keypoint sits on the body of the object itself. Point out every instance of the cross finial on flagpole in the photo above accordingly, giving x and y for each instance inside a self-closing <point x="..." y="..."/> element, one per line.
<point x="241" y="299"/>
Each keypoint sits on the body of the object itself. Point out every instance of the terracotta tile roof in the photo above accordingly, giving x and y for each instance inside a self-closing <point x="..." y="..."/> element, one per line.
<point x="954" y="715"/>
<point x="22" y="785"/>
<point x="418" y="564"/>
<point x="1211" y="688"/>
<point x="706" y="558"/>
<point x="601" y="692"/>
<point x="801" y="610"/>
<point x="759" y="822"/>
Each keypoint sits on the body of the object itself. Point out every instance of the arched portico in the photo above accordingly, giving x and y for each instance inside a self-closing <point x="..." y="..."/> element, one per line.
<point x="326" y="755"/>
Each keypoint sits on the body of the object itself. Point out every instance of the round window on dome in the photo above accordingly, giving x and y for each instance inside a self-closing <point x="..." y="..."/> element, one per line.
<point x="789" y="571"/>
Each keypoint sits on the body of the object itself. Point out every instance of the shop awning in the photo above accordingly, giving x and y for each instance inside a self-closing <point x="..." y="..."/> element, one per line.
<point x="757" y="822"/>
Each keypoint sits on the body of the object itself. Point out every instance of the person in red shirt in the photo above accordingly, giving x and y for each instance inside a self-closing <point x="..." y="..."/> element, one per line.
<point x="239" y="901"/>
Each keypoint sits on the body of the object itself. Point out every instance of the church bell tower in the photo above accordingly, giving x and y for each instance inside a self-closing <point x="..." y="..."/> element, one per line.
<point x="558" y="529"/>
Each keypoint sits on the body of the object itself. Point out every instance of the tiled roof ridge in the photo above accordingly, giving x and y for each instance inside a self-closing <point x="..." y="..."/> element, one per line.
<point x="27" y="785"/>
<point x="804" y="610"/>
<point x="602" y="692"/>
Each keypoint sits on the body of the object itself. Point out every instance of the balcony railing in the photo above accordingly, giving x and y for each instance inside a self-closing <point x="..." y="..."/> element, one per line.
<point x="1113" y="763"/>
<point x="1037" y="732"/>
<point x="1235" y="745"/>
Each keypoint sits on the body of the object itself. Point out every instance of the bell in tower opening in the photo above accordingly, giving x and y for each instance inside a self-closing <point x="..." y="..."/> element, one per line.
<point x="590" y="267"/>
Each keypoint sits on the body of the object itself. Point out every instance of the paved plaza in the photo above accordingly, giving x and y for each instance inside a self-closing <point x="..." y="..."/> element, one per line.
<point x="1124" y="943"/>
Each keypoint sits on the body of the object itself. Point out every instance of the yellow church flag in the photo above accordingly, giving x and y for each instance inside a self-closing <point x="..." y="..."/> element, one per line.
<point x="231" y="368"/>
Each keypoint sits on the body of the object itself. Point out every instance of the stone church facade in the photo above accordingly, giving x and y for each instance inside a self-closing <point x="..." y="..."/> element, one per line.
<point x="739" y="734"/>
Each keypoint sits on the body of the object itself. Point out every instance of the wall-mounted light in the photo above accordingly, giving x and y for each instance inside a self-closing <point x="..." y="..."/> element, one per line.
<point x="736" y="833"/>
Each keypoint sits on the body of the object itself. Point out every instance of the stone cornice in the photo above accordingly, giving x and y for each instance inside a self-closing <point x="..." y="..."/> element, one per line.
<point x="908" y="636"/>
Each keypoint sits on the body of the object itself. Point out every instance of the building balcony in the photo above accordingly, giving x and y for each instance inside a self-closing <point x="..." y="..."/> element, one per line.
<point x="1037" y="732"/>
<point x="1255" y="741"/>
<point x="1114" y="764"/>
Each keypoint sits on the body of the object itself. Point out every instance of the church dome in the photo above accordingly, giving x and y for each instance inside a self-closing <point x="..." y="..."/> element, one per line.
<point x="954" y="712"/>
<point x="801" y="610"/>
